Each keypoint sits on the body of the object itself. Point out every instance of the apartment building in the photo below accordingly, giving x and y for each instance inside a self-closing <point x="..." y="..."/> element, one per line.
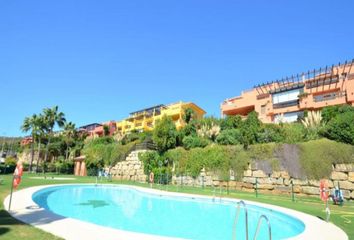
<point x="286" y="99"/>
<point x="146" y="119"/>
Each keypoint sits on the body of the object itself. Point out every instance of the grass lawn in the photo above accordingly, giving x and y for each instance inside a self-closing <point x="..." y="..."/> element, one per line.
<point x="13" y="229"/>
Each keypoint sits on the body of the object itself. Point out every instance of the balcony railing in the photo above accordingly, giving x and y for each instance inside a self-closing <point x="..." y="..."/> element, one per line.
<point x="285" y="104"/>
<point x="328" y="96"/>
<point x="320" y="82"/>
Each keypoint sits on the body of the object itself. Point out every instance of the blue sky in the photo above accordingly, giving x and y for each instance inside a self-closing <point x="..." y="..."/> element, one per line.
<point x="100" y="60"/>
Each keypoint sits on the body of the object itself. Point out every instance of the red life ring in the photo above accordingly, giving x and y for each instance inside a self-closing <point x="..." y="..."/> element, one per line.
<point x="17" y="175"/>
<point x="324" y="191"/>
<point x="151" y="177"/>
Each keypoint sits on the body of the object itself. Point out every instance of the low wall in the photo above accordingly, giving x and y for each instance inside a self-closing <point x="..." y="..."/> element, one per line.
<point x="279" y="182"/>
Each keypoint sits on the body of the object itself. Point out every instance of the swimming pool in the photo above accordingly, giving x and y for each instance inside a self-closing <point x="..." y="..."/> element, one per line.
<point x="130" y="209"/>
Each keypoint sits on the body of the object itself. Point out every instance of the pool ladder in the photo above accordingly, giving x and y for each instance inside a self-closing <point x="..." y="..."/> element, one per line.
<point x="246" y="222"/>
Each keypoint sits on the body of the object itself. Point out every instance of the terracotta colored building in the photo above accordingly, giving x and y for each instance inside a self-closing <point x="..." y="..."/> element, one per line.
<point x="286" y="99"/>
<point x="97" y="129"/>
<point x="26" y="141"/>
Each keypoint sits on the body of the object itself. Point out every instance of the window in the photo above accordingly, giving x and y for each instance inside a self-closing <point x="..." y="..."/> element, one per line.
<point x="263" y="109"/>
<point x="287" y="96"/>
<point x="288" y="117"/>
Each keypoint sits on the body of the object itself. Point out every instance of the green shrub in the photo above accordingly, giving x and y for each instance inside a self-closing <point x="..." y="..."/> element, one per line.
<point x="341" y="128"/>
<point x="231" y="122"/>
<point x="165" y="134"/>
<point x="194" y="142"/>
<point x="270" y="133"/>
<point x="229" y="137"/>
<point x="293" y="132"/>
<point x="317" y="157"/>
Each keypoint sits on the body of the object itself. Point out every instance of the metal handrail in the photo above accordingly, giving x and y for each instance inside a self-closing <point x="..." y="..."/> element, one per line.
<point x="236" y="218"/>
<point x="259" y="225"/>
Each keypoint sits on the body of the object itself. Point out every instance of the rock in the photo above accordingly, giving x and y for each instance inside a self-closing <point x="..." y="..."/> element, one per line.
<point x="284" y="174"/>
<point x="339" y="176"/>
<point x="346" y="194"/>
<point x="278" y="181"/>
<point x="247" y="185"/>
<point x="259" y="173"/>
<point x="351" y="176"/>
<point x="264" y="181"/>
<point x="297" y="189"/>
<point x="344" y="167"/>
<point x="286" y="181"/>
<point x="300" y="182"/>
<point x="247" y="173"/>
<point x="249" y="180"/>
<point x="314" y="183"/>
<point x="276" y="174"/>
<point x="352" y="195"/>
<point x="346" y="185"/>
<point x="310" y="190"/>
<point x="282" y="189"/>
<point x="265" y="186"/>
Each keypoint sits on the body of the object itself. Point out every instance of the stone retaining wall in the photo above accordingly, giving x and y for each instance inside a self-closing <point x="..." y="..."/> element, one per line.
<point x="130" y="169"/>
<point x="279" y="182"/>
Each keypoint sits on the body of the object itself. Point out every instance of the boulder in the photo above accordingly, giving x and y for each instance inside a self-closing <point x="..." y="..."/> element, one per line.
<point x="276" y="174"/>
<point x="249" y="180"/>
<point x="265" y="186"/>
<point x="351" y="176"/>
<point x="346" y="185"/>
<point x="314" y="183"/>
<point x="339" y="176"/>
<point x="284" y="174"/>
<point x="300" y="182"/>
<point x="247" y="173"/>
<point x="310" y="190"/>
<point x="264" y="181"/>
<point x="344" y="167"/>
<point x="259" y="173"/>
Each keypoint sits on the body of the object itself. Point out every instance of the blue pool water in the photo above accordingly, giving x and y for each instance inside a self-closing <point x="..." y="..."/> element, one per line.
<point x="129" y="209"/>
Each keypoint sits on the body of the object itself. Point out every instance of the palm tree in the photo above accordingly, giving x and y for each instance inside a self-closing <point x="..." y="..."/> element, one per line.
<point x="69" y="132"/>
<point x="40" y="131"/>
<point x="29" y="124"/>
<point x="52" y="117"/>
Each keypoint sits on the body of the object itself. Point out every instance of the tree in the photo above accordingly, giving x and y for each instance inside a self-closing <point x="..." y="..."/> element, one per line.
<point x="231" y="122"/>
<point x="341" y="128"/>
<point x="30" y="124"/>
<point x="250" y="128"/>
<point x="188" y="115"/>
<point x="69" y="134"/>
<point x="106" y="131"/>
<point x="52" y="117"/>
<point x="229" y="137"/>
<point x="164" y="134"/>
<point x="40" y="131"/>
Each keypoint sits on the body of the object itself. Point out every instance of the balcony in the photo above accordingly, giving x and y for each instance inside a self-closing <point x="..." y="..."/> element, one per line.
<point x="286" y="104"/>
<point x="321" y="82"/>
<point x="328" y="96"/>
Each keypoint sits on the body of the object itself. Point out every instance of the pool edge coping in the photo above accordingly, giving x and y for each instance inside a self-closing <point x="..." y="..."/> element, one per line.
<point x="26" y="210"/>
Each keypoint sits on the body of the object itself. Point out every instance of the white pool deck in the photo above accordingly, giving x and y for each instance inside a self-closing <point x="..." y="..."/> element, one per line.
<point x="24" y="209"/>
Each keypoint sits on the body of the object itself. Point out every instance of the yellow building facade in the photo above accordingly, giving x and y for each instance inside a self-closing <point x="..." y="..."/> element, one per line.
<point x="146" y="119"/>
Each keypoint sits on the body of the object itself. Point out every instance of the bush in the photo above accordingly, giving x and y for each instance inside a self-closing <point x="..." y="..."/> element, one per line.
<point x="229" y="137"/>
<point x="317" y="157"/>
<point x="293" y="132"/>
<point x="341" y="128"/>
<point x="165" y="134"/>
<point x="231" y="122"/>
<point x="194" y="142"/>
<point x="270" y="133"/>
